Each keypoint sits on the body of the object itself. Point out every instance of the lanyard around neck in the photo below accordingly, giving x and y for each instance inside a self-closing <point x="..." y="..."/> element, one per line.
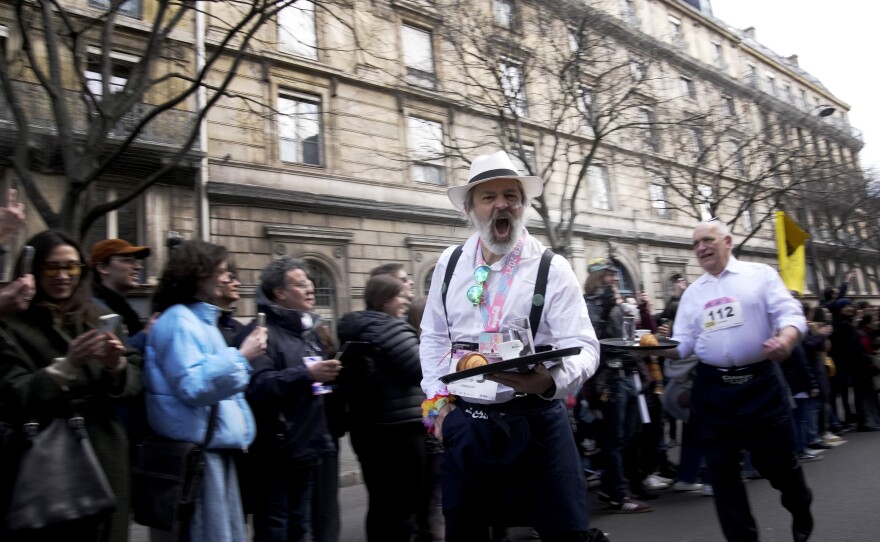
<point x="492" y="316"/>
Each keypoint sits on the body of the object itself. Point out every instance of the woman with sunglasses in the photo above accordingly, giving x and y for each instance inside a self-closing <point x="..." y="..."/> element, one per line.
<point x="384" y="394"/>
<point x="188" y="369"/>
<point x="53" y="359"/>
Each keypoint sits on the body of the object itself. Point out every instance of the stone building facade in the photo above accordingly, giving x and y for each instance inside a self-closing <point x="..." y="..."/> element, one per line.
<point x="360" y="113"/>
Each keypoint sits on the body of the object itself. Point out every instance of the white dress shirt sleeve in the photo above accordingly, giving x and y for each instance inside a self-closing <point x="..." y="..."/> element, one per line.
<point x="435" y="346"/>
<point x="566" y="323"/>
<point x="686" y="326"/>
<point x="784" y="309"/>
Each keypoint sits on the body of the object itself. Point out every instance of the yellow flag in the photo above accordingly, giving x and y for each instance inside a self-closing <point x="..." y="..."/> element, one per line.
<point x="790" y="240"/>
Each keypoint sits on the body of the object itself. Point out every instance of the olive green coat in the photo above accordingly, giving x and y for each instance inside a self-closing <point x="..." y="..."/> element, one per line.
<point x="28" y="343"/>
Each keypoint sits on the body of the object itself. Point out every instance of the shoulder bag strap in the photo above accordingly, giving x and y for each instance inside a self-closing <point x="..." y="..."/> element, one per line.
<point x="193" y="486"/>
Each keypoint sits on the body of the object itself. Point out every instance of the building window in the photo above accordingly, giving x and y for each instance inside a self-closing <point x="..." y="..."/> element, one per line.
<point x="577" y="40"/>
<point x="646" y="119"/>
<point x="804" y="103"/>
<point x="752" y="75"/>
<point x="585" y="108"/>
<point x="771" y="84"/>
<point x="628" y="10"/>
<point x="775" y="171"/>
<point x="126" y="222"/>
<point x="626" y="286"/>
<point x="696" y="142"/>
<point x="748" y="218"/>
<point x="638" y="69"/>
<point x="704" y="204"/>
<point x="505" y="13"/>
<point x="729" y="106"/>
<point x="297" y="33"/>
<point x="513" y="86"/>
<point x="325" y="290"/>
<point x="600" y="189"/>
<point x="129" y="8"/>
<point x="426" y="150"/>
<point x="718" y="56"/>
<point x="736" y="156"/>
<point x="523" y="157"/>
<point x="786" y="93"/>
<point x="418" y="56"/>
<point x="299" y="129"/>
<point x="675" y="32"/>
<point x="659" y="198"/>
<point x="688" y="88"/>
<point x="120" y="70"/>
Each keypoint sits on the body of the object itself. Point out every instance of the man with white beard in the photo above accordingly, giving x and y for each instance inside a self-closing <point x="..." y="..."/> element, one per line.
<point x="510" y="456"/>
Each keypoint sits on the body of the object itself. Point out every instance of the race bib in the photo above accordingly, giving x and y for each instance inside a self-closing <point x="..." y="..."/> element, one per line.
<point x="722" y="313"/>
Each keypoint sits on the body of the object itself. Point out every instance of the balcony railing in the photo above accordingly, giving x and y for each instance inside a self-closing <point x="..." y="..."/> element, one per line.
<point x="172" y="127"/>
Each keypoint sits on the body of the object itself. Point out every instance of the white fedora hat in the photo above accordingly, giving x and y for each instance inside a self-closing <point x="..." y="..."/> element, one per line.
<point x="493" y="166"/>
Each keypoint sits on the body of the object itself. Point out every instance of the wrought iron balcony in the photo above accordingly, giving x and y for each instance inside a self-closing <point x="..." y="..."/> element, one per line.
<point x="171" y="128"/>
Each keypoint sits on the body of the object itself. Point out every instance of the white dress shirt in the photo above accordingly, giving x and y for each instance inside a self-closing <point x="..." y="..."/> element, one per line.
<point x="564" y="323"/>
<point x="767" y="306"/>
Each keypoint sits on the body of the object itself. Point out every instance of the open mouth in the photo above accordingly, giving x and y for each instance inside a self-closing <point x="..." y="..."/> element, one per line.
<point x="501" y="227"/>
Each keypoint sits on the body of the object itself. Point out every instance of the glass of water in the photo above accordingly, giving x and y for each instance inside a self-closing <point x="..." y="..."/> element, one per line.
<point x="629" y="328"/>
<point x="521" y="330"/>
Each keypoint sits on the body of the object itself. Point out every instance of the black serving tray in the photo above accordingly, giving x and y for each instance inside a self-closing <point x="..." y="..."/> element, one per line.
<point x="621" y="344"/>
<point x="515" y="363"/>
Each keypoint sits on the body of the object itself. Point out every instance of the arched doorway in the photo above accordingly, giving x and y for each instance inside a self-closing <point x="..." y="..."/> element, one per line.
<point x="325" y="291"/>
<point x="626" y="284"/>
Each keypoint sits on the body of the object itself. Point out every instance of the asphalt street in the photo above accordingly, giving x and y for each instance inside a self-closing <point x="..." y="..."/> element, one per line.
<point x="846" y="507"/>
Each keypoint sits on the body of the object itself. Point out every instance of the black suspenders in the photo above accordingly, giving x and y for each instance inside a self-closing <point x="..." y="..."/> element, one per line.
<point x="537" y="297"/>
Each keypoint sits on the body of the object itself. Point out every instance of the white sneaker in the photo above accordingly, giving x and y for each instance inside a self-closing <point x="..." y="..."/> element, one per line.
<point x="662" y="478"/>
<point x="685" y="486"/>
<point x="654" y="483"/>
<point x="830" y="438"/>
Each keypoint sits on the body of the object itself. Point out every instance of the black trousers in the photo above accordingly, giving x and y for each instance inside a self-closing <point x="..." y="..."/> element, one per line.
<point x="747" y="409"/>
<point x="513" y="464"/>
<point x="392" y="459"/>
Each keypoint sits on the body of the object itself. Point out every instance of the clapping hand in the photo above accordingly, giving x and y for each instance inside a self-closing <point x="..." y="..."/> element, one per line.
<point x="94" y="344"/>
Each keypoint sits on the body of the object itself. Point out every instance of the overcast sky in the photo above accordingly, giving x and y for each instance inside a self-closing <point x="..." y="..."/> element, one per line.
<point x="835" y="41"/>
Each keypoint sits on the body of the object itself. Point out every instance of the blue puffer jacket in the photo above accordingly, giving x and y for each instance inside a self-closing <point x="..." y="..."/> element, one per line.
<point x="188" y="368"/>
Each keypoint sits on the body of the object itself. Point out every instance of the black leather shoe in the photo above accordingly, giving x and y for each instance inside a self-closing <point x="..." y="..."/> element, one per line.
<point x="802" y="526"/>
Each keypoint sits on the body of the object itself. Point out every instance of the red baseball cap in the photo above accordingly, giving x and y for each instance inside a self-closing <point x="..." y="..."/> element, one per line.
<point x="103" y="250"/>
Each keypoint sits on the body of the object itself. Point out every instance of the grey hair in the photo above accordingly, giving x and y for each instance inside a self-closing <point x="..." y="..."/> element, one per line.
<point x="274" y="274"/>
<point x="718" y="226"/>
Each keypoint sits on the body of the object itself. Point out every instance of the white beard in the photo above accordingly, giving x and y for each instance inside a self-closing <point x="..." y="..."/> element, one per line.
<point x="487" y="233"/>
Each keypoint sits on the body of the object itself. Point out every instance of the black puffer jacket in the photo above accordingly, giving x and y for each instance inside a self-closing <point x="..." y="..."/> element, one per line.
<point x="383" y="384"/>
<point x="291" y="420"/>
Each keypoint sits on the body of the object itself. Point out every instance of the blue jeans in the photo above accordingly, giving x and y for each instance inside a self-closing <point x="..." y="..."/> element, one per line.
<point x="806" y="417"/>
<point x="620" y="413"/>
<point x="281" y="507"/>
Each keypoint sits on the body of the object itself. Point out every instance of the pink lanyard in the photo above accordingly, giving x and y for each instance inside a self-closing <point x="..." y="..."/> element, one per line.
<point x="492" y="319"/>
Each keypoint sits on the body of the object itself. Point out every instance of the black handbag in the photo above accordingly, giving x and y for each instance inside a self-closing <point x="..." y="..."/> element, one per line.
<point x="167" y="480"/>
<point x="59" y="478"/>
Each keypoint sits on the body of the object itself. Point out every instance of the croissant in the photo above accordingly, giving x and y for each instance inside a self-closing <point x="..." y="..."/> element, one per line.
<point x="648" y="339"/>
